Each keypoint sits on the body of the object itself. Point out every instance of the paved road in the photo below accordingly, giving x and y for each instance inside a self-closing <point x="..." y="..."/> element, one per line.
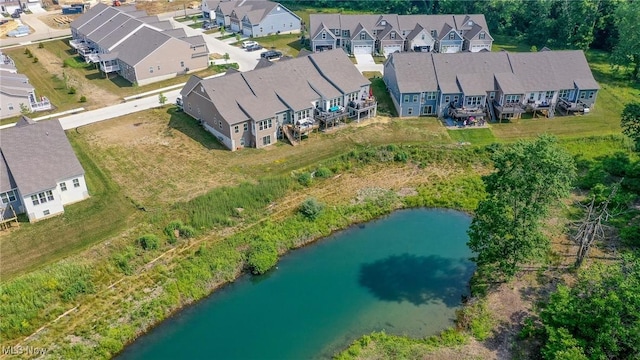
<point x="41" y="31"/>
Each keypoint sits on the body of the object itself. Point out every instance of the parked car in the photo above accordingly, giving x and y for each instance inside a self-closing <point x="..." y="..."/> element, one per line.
<point x="209" y="25"/>
<point x="246" y="44"/>
<point x="271" y="54"/>
<point x="15" y="15"/>
<point x="253" y="47"/>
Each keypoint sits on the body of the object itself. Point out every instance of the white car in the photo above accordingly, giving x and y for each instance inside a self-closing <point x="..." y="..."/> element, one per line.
<point x="246" y="44"/>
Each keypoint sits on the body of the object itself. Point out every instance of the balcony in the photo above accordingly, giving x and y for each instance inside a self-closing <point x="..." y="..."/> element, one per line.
<point x="43" y="104"/>
<point x="534" y="105"/>
<point x="109" y="68"/>
<point x="509" y="108"/>
<point x="364" y="108"/>
<point x="466" y="112"/>
<point x="6" y="60"/>
<point x="330" y="116"/>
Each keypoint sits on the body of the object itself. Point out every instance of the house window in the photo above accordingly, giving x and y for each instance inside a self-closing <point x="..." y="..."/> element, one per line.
<point x="363" y="36"/>
<point x="563" y="94"/>
<point x="245" y="127"/>
<point x="393" y="35"/>
<point x="473" y="100"/>
<point x="455" y="99"/>
<point x="266" y="140"/>
<point x="410" y="111"/>
<point x="427" y="110"/>
<point x="10" y="105"/>
<point x="345" y="33"/>
<point x="406" y="98"/>
<point x="447" y="99"/>
<point x="7" y="197"/>
<point x="158" y="67"/>
<point x="422" y="36"/>
<point x="46" y="212"/>
<point x="510" y="99"/>
<point x="49" y="195"/>
<point x="383" y="22"/>
<point x="548" y="94"/>
<point x="181" y="63"/>
<point x="433" y="34"/>
<point x="583" y="94"/>
<point x="431" y="96"/>
<point x="324" y="35"/>
<point x="236" y="129"/>
<point x="532" y="96"/>
<point x="265" y="124"/>
<point x="337" y="31"/>
<point x="482" y="35"/>
<point x="220" y="124"/>
<point x="34" y="199"/>
<point x="452" y="36"/>
<point x="151" y="69"/>
<point x="63" y="186"/>
<point x="492" y="95"/>
<point x="591" y="93"/>
<point x="415" y="98"/>
<point x="76" y="183"/>
<point x="302" y="114"/>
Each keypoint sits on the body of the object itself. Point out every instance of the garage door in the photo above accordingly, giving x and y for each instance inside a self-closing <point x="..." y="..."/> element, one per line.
<point x="476" y="48"/>
<point x="390" y="49"/>
<point x="362" y="49"/>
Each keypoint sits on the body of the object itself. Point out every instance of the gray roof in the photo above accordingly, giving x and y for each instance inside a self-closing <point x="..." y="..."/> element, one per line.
<point x="412" y="81"/>
<point x="140" y="44"/>
<point x="38" y="156"/>
<point x="6" y="180"/>
<point x="477" y="73"/>
<point x="294" y="84"/>
<point x="89" y="14"/>
<point x="15" y="84"/>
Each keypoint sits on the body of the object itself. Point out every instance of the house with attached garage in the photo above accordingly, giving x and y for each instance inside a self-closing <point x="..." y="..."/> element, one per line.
<point x="142" y="49"/>
<point x="252" y="18"/>
<point x="258" y="107"/>
<point x="16" y="93"/>
<point x="493" y="85"/>
<point x="389" y="33"/>
<point x="39" y="172"/>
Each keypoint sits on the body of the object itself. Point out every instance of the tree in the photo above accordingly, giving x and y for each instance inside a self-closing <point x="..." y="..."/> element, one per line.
<point x="226" y="58"/>
<point x="627" y="51"/>
<point x="630" y="122"/>
<point x="162" y="99"/>
<point x="598" y="317"/>
<point x="24" y="109"/>
<point x="529" y="177"/>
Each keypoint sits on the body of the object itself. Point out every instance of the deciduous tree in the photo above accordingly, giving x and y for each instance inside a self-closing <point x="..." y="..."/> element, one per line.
<point x="529" y="177"/>
<point x="627" y="50"/>
<point x="630" y="122"/>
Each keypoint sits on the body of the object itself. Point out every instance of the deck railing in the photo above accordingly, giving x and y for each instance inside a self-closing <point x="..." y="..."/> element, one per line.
<point x="43" y="104"/>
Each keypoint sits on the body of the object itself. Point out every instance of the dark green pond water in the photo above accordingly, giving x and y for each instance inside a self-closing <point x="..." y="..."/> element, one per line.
<point x="404" y="274"/>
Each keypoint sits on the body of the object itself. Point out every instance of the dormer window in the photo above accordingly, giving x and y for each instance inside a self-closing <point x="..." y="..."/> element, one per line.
<point x="470" y="23"/>
<point x="393" y="35"/>
<point x="482" y="35"/>
<point x="383" y="22"/>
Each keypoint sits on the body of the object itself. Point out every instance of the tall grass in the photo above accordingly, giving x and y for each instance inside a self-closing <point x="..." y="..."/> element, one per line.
<point x="223" y="206"/>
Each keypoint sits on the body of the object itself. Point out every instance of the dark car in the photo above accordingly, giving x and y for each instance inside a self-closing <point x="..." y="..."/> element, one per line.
<point x="15" y="15"/>
<point x="209" y="25"/>
<point x="253" y="47"/>
<point x="271" y="54"/>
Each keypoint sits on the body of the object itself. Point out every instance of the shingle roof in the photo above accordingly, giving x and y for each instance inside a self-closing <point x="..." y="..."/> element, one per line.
<point x="6" y="180"/>
<point x="295" y="83"/>
<point x="473" y="84"/>
<point x="15" y="84"/>
<point x="409" y="80"/>
<point x="509" y="83"/>
<point x="89" y="14"/>
<point x="38" y="156"/>
<point x="140" y="44"/>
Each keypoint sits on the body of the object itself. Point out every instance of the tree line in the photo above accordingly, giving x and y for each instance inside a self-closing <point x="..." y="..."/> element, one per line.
<point x="609" y="25"/>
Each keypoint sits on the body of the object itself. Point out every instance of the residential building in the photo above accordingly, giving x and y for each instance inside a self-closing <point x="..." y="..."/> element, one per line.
<point x="252" y="18"/>
<point x="16" y="94"/>
<point x="140" y="48"/>
<point x="498" y="85"/>
<point x="389" y="33"/>
<point x="39" y="172"/>
<point x="255" y="108"/>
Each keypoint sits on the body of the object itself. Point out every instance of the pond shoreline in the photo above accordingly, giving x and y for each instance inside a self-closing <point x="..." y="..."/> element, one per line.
<point x="242" y="270"/>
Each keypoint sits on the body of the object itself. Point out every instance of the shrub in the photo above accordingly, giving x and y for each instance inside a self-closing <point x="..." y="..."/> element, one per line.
<point x="187" y="231"/>
<point x="149" y="242"/>
<point x="401" y="156"/>
<point x="262" y="257"/>
<point x="305" y="179"/>
<point x="83" y="99"/>
<point x="35" y="59"/>
<point x="72" y="90"/>
<point x="311" y="208"/>
<point x="40" y="45"/>
<point x="323" y="172"/>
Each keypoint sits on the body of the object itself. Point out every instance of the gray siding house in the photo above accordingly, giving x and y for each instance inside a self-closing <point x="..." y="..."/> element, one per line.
<point x="140" y="48"/>
<point x="16" y="92"/>
<point x="497" y="85"/>
<point x="391" y="33"/>
<point x="256" y="108"/>
<point x="252" y="18"/>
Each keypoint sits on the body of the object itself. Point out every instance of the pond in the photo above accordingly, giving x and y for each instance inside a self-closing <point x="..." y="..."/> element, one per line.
<point x="404" y="274"/>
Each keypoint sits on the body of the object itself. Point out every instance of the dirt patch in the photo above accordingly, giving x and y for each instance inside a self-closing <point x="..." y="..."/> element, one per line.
<point x="154" y="7"/>
<point x="57" y="21"/>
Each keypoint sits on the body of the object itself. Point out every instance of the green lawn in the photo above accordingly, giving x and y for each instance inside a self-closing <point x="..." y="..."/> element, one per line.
<point x="481" y="136"/>
<point x="289" y="44"/>
<point x="385" y="104"/>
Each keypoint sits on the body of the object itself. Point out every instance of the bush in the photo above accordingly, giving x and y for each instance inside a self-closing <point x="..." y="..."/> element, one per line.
<point x="35" y="59"/>
<point x="83" y="99"/>
<point x="149" y="242"/>
<point x="72" y="90"/>
<point x="262" y="257"/>
<point x="187" y="231"/>
<point x="40" y="45"/>
<point x="311" y="208"/>
<point x="305" y="179"/>
<point x="401" y="156"/>
<point x="323" y="172"/>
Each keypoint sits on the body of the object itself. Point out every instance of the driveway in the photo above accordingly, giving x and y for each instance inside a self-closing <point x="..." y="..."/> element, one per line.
<point x="41" y="31"/>
<point x="366" y="63"/>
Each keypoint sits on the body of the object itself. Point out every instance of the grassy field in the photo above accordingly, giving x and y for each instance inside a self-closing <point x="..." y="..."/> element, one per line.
<point x="288" y="44"/>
